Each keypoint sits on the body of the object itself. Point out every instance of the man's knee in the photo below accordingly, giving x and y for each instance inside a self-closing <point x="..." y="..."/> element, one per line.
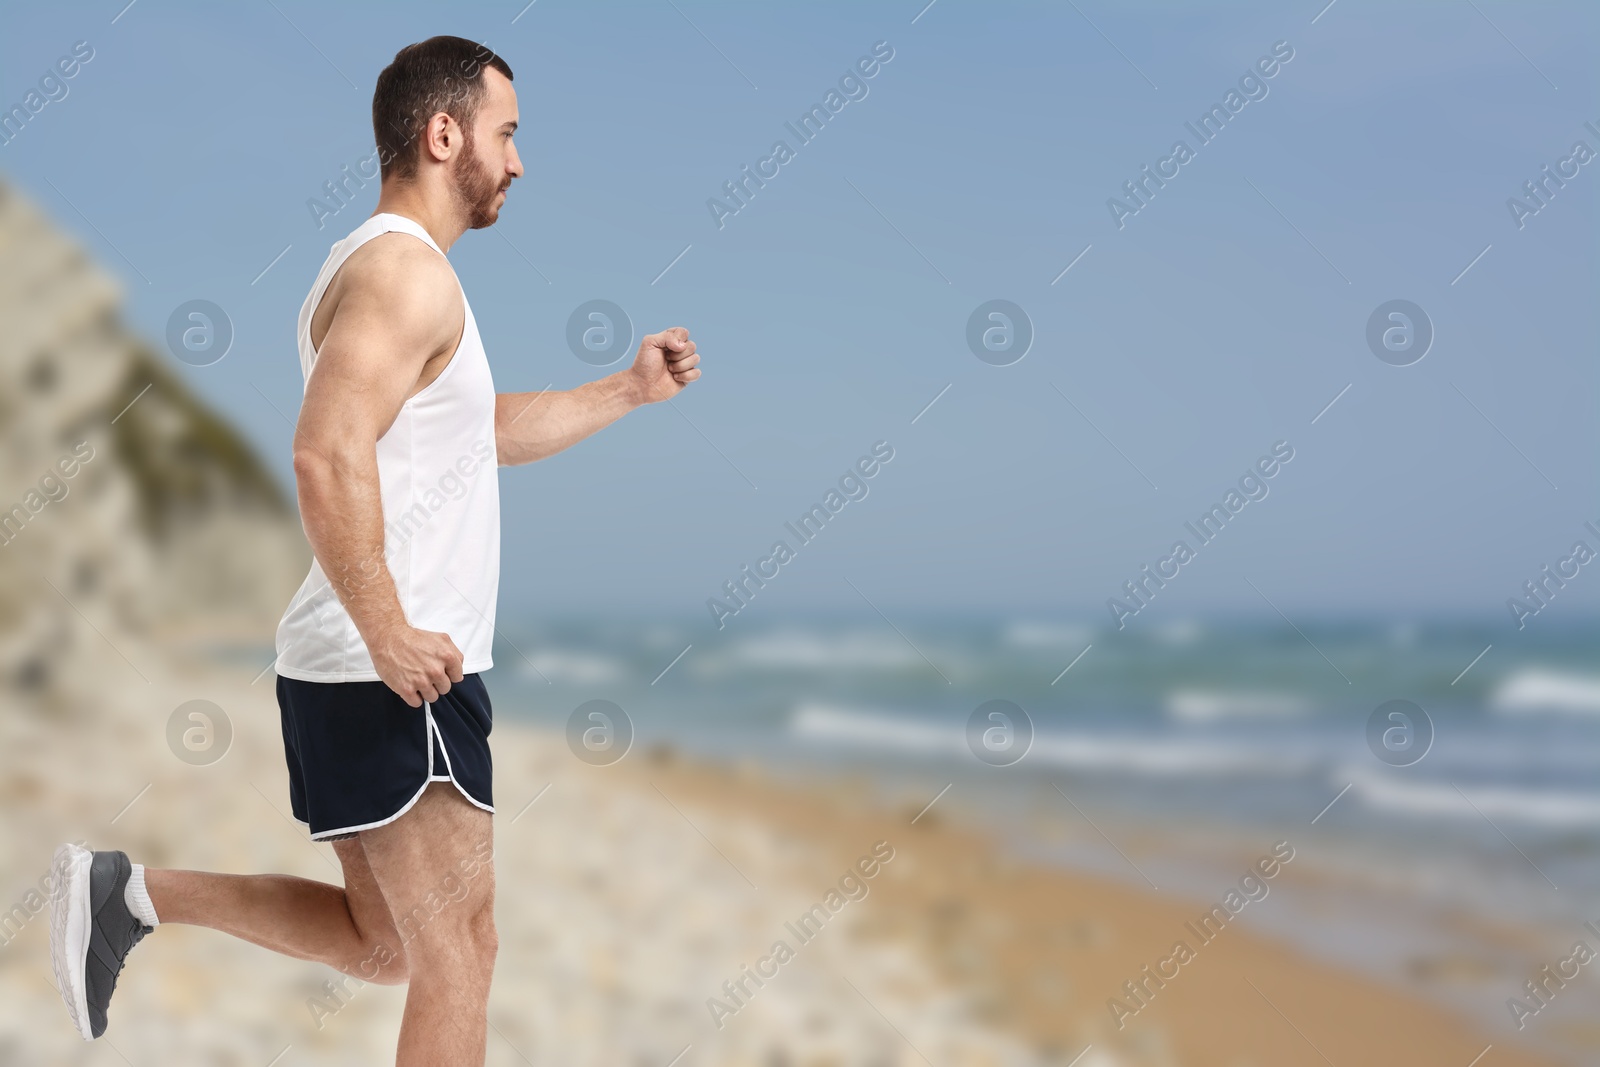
<point x="474" y="930"/>
<point x="485" y="936"/>
<point x="462" y="931"/>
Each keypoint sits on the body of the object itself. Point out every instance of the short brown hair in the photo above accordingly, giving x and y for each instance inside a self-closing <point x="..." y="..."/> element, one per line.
<point x="439" y="74"/>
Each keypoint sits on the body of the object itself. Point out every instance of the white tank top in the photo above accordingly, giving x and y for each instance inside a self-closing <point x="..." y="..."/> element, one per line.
<point x="439" y="485"/>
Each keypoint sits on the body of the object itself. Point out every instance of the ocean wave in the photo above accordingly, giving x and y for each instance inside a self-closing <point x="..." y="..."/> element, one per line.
<point x="1090" y="752"/>
<point x="1178" y="632"/>
<point x="868" y="728"/>
<point x="572" y="665"/>
<point x="1195" y="705"/>
<point x="1538" y="690"/>
<point x="796" y="648"/>
<point x="1541" y="807"/>
<point x="1047" y="635"/>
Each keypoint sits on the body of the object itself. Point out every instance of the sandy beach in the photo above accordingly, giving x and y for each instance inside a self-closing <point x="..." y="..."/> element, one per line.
<point x="640" y="905"/>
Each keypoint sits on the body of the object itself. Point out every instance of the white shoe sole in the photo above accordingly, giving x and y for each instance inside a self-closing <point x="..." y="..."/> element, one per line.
<point x="69" y="930"/>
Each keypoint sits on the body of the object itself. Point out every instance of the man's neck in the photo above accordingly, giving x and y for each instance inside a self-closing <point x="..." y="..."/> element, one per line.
<point x="412" y="202"/>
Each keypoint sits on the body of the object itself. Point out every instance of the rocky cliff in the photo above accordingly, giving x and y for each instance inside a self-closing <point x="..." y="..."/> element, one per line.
<point x="122" y="527"/>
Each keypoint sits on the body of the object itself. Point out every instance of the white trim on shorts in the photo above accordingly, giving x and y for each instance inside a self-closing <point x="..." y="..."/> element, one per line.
<point x="448" y="776"/>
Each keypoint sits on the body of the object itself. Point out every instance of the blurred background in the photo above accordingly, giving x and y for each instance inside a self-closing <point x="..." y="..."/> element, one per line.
<point x="1370" y="272"/>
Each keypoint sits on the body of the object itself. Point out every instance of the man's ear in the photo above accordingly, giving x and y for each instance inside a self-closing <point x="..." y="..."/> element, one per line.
<point x="443" y="135"/>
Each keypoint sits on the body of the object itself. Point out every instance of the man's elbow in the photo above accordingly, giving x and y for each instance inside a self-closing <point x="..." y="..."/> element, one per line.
<point x="337" y="460"/>
<point x="311" y="466"/>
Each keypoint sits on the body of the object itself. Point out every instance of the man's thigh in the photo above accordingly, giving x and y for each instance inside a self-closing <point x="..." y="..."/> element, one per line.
<point x="434" y="866"/>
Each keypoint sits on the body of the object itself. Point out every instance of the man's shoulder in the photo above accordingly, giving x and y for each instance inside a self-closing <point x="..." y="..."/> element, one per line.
<point x="400" y="276"/>
<point x="396" y="260"/>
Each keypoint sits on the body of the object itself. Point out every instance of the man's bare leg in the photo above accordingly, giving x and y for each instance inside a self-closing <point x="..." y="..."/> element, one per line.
<point x="349" y="929"/>
<point x="434" y="866"/>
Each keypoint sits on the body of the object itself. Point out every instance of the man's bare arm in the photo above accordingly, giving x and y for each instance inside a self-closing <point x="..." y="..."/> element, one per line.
<point x="531" y="426"/>
<point x="398" y="307"/>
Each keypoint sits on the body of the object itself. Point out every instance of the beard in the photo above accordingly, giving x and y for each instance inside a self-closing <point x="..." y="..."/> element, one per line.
<point x="474" y="186"/>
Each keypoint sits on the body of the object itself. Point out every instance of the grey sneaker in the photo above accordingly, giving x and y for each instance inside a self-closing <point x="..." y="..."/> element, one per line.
<point x="91" y="931"/>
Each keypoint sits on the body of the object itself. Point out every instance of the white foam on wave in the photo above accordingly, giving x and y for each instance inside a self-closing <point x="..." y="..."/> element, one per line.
<point x="825" y="721"/>
<point x="798" y="648"/>
<point x="572" y="665"/>
<point x="1166" y="758"/>
<point x="1047" y="635"/>
<point x="1539" y="690"/>
<point x="1179" y="632"/>
<point x="1541" y="807"/>
<point x="1102" y="752"/>
<point x="1198" y="705"/>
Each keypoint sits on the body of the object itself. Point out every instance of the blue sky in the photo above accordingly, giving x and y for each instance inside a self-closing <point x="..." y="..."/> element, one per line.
<point x="1223" y="317"/>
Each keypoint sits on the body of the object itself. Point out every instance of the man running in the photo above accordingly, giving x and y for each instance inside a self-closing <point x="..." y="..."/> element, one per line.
<point x="385" y="716"/>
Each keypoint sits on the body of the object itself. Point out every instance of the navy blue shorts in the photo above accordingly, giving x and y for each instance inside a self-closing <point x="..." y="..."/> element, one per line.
<point x="359" y="756"/>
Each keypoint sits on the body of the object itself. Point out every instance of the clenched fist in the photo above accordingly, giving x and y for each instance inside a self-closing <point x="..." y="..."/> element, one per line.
<point x="417" y="664"/>
<point x="667" y="362"/>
